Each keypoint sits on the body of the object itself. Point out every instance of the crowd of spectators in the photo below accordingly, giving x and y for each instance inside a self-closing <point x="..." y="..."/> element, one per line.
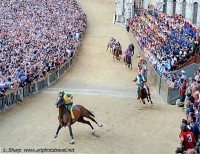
<point x="169" y="42"/>
<point x="189" y="90"/>
<point x="37" y="37"/>
<point x="166" y="41"/>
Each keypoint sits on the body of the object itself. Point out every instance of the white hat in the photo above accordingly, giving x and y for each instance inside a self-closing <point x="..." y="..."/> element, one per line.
<point x="182" y="71"/>
<point x="138" y="55"/>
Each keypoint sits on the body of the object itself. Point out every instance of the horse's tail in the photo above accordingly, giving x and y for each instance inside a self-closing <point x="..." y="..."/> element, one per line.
<point x="84" y="110"/>
<point x="90" y="112"/>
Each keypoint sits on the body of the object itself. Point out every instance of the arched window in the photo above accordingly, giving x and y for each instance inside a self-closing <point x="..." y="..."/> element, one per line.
<point x="195" y="10"/>
<point x="184" y="8"/>
<point x="174" y="8"/>
<point x="165" y="6"/>
<point x="135" y="6"/>
<point x="141" y="4"/>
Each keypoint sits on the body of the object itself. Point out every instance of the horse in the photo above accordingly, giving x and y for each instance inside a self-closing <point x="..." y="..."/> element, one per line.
<point x="79" y="111"/>
<point x="144" y="94"/>
<point x="110" y="46"/>
<point x="131" y="48"/>
<point x="128" y="61"/>
<point x="116" y="54"/>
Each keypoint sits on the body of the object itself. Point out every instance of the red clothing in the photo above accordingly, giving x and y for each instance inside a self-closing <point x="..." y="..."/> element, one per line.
<point x="183" y="89"/>
<point x="189" y="140"/>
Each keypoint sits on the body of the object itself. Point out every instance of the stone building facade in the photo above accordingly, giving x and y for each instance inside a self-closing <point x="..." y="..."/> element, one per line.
<point x="190" y="9"/>
<point x="124" y="10"/>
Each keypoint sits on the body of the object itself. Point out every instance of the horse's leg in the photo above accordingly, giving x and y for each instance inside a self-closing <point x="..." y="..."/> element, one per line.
<point x="143" y="101"/>
<point x="147" y="98"/>
<point x="150" y="98"/>
<point x="125" y="61"/>
<point x="89" y="117"/>
<point x="86" y="122"/>
<point x="71" y="134"/>
<point x="59" y="127"/>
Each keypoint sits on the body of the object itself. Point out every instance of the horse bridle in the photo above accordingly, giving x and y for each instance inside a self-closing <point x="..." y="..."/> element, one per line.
<point x="60" y="99"/>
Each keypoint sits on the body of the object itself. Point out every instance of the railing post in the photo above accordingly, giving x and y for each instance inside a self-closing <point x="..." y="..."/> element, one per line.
<point x="36" y="87"/>
<point x="58" y="74"/>
<point x="48" y="81"/>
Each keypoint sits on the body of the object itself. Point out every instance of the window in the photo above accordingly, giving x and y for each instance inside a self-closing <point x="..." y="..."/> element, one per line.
<point x="195" y="10"/>
<point x="165" y="6"/>
<point x="183" y="8"/>
<point x="174" y="8"/>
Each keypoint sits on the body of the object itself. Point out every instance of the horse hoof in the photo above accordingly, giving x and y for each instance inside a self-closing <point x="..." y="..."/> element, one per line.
<point x="72" y="142"/>
<point x="55" y="136"/>
<point x="93" y="131"/>
<point x="100" y="125"/>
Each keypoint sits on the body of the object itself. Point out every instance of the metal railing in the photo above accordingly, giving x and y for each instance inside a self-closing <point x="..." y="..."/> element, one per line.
<point x="15" y="96"/>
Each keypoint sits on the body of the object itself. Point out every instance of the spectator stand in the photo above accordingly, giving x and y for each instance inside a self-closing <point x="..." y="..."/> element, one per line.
<point x="13" y="97"/>
<point x="169" y="95"/>
<point x="34" y="59"/>
<point x="166" y="47"/>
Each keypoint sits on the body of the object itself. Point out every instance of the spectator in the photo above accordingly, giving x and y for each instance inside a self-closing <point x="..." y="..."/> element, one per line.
<point x="194" y="127"/>
<point x="188" y="93"/>
<point x="187" y="138"/>
<point x="172" y="84"/>
<point x="182" y="93"/>
<point x="183" y="76"/>
<point x="191" y="103"/>
<point x="37" y="38"/>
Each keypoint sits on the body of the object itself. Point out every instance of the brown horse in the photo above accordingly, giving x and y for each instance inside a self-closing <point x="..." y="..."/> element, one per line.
<point x="79" y="111"/>
<point x="116" y="54"/>
<point x="144" y="94"/>
<point x="128" y="61"/>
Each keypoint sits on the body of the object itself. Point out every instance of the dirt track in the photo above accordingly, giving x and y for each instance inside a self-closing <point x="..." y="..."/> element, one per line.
<point x="104" y="87"/>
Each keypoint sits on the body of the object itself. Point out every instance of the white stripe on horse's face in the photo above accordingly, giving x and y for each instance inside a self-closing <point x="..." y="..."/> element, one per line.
<point x="58" y="100"/>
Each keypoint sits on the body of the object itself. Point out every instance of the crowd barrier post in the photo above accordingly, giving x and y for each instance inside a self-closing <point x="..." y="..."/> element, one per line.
<point x="48" y="83"/>
<point x="1" y="103"/>
<point x="36" y="87"/>
<point x="58" y="74"/>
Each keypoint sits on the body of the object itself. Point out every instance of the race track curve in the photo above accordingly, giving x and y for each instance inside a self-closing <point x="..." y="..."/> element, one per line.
<point x="106" y="88"/>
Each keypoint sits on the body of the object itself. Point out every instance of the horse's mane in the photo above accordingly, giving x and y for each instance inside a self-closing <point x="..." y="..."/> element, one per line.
<point x="61" y="94"/>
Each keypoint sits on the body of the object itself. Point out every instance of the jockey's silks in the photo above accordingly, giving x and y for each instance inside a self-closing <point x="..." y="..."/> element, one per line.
<point x="68" y="98"/>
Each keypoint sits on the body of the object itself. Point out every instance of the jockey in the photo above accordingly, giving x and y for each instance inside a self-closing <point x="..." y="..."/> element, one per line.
<point x="140" y="80"/>
<point x="68" y="97"/>
<point x="127" y="53"/>
<point x="139" y="60"/>
<point x="139" y="67"/>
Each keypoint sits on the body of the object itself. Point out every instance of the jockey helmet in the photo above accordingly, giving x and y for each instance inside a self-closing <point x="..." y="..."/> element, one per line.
<point x="68" y="94"/>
